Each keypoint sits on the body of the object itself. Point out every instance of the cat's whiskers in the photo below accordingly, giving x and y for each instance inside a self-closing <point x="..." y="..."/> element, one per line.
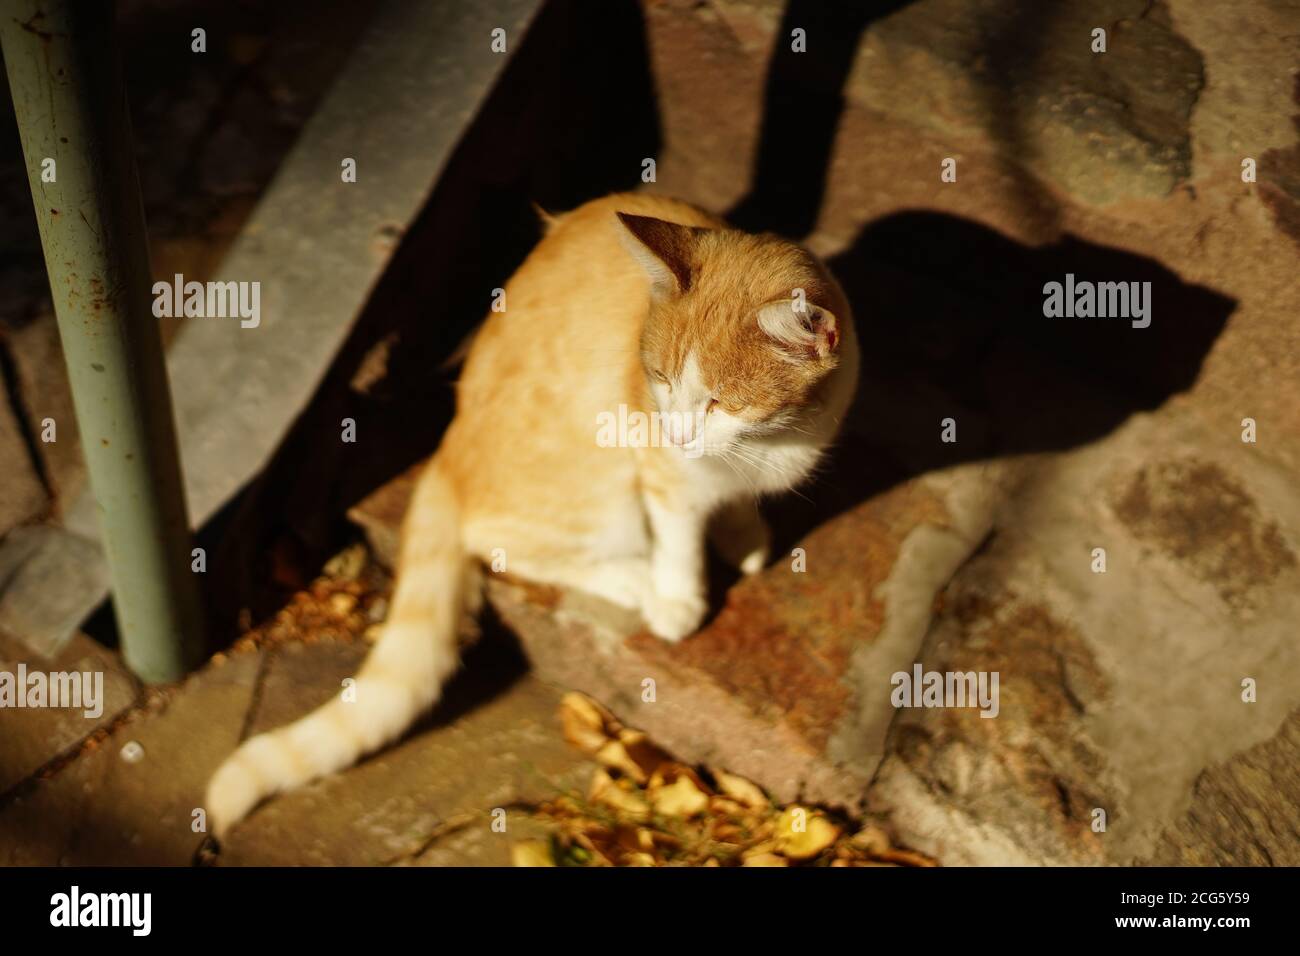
<point x="724" y="457"/>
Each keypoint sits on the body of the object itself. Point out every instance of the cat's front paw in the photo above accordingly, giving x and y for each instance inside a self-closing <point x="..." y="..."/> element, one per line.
<point x="755" y="561"/>
<point x="673" y="618"/>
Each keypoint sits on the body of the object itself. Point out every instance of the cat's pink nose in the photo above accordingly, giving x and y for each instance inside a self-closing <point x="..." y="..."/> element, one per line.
<point x="681" y="428"/>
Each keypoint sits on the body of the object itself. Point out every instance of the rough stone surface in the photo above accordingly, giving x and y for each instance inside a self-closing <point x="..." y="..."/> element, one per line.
<point x="1120" y="691"/>
<point x="442" y="782"/>
<point x="1118" y="687"/>
<point x="33" y="738"/>
<point x="493" y="743"/>
<point x="103" y="809"/>
<point x="1102" y="126"/>
<point x="1195" y="512"/>
<point x="1236" y="817"/>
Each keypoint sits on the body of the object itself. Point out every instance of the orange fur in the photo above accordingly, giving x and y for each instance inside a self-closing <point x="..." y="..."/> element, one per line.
<point x="654" y="310"/>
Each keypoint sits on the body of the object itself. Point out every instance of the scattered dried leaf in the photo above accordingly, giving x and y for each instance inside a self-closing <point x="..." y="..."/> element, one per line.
<point x="582" y="723"/>
<point x="681" y="798"/>
<point x="691" y="824"/>
<point x="802" y="834"/>
<point x="614" y="755"/>
<point x="741" y="790"/>
<point x="605" y="790"/>
<point x="531" y="853"/>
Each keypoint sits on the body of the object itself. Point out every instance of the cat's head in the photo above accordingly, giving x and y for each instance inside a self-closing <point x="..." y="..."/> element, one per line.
<point x="742" y="328"/>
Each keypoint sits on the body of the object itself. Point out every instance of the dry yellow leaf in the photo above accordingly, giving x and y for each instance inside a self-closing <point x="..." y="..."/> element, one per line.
<point x="342" y="603"/>
<point x="604" y="790"/>
<point x="582" y="722"/>
<point x="766" y="859"/>
<point x="592" y="706"/>
<point x="741" y="790"/>
<point x="600" y="782"/>
<point x="595" y="855"/>
<point x="727" y="833"/>
<point x="681" y="798"/>
<point x="907" y="858"/>
<point x="725" y="807"/>
<point x="641" y="751"/>
<point x="585" y="739"/>
<point x="801" y="833"/>
<point x="614" y="754"/>
<point x="531" y="853"/>
<point x="670" y="771"/>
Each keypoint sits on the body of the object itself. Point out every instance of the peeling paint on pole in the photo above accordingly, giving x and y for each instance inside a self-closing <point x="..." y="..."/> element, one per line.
<point x="65" y="79"/>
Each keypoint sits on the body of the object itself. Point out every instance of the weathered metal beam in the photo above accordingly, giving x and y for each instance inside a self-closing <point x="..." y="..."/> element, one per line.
<point x="317" y="245"/>
<point x="65" y="77"/>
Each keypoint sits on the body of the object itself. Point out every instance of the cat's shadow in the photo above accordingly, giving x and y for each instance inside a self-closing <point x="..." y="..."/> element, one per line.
<point x="950" y="312"/>
<point x="950" y="315"/>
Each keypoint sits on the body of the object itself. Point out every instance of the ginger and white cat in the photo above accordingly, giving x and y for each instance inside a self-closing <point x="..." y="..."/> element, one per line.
<point x="746" y="346"/>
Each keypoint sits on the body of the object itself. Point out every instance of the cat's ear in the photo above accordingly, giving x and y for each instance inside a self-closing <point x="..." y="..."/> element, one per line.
<point x="800" y="329"/>
<point x="665" y="251"/>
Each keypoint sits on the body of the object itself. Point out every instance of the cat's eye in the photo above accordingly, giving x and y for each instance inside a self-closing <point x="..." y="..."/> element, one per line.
<point x="658" y="376"/>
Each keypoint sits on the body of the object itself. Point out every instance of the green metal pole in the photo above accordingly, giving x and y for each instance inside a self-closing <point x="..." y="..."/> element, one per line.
<point x="65" y="76"/>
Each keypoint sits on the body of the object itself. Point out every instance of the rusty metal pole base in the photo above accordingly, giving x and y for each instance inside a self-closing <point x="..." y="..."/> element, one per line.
<point x="65" y="76"/>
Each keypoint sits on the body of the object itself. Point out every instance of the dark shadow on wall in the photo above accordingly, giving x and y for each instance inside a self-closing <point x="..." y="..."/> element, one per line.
<point x="951" y="319"/>
<point x="802" y="103"/>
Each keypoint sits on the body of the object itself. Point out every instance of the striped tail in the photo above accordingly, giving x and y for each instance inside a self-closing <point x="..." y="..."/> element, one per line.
<point x="400" y="679"/>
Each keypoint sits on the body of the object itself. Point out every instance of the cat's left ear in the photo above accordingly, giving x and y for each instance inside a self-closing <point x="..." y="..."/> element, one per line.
<point x="800" y="329"/>
<point x="665" y="250"/>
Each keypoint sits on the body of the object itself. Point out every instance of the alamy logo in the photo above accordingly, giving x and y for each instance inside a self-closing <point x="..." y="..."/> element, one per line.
<point x="74" y="908"/>
<point x="75" y="689"/>
<point x="946" y="689"/>
<point x="636" y="429"/>
<point x="209" y="300"/>
<point x="1102" y="300"/>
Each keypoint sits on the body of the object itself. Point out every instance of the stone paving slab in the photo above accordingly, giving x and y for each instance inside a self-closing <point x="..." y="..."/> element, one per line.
<point x="1118" y="688"/>
<point x="1121" y="690"/>
<point x="105" y="809"/>
<point x="34" y="737"/>
<point x="1241" y="811"/>
<point x="429" y="800"/>
<point x="493" y="743"/>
